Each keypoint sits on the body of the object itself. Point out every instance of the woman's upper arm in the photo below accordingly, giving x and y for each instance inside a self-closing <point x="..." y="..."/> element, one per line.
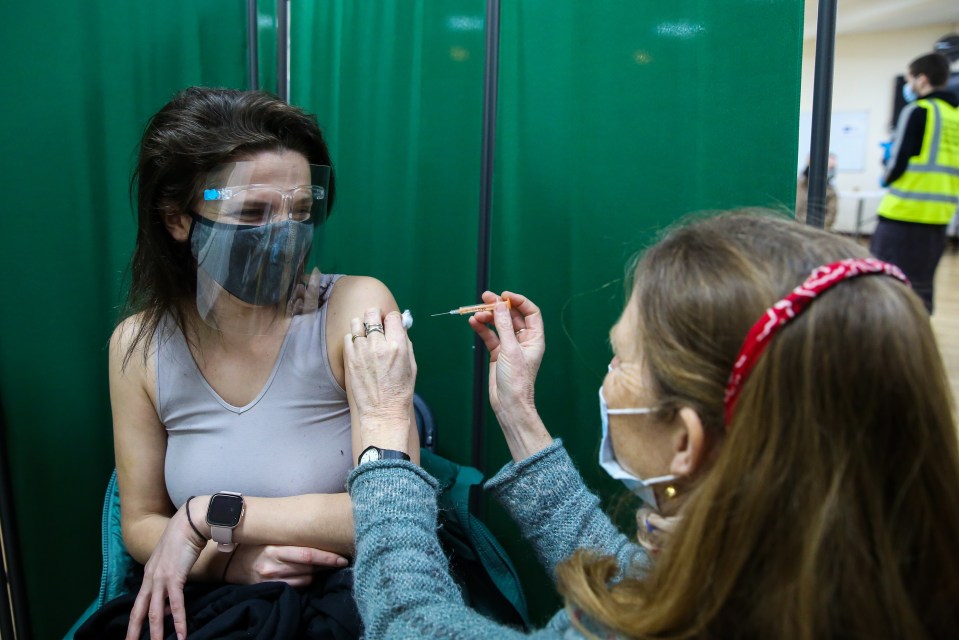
<point x="351" y="297"/>
<point x="139" y="440"/>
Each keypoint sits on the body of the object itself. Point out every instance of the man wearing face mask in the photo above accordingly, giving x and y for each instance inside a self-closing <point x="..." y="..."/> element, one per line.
<point x="922" y="175"/>
<point x="832" y="199"/>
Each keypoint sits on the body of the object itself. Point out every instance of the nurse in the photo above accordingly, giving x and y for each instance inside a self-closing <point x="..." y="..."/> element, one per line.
<point x="771" y="384"/>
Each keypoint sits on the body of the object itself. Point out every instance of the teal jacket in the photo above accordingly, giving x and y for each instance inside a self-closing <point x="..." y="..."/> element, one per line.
<point x="401" y="582"/>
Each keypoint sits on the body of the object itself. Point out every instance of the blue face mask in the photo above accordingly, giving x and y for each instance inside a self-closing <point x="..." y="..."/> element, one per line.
<point x="607" y="457"/>
<point x="908" y="94"/>
<point x="257" y="264"/>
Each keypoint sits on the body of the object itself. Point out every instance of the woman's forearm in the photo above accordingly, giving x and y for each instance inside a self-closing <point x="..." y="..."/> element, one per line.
<point x="319" y="520"/>
<point x="524" y="432"/>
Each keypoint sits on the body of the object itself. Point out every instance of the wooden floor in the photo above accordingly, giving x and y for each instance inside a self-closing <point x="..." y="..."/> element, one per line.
<point x="945" y="318"/>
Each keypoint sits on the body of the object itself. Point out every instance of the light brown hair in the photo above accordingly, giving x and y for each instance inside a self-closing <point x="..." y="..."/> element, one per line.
<point x="830" y="508"/>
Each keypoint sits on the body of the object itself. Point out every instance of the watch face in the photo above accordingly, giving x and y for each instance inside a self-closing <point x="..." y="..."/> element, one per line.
<point x="225" y="510"/>
<point x="369" y="454"/>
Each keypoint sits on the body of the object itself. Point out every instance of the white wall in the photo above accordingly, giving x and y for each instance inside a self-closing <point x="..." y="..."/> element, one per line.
<point x="864" y="79"/>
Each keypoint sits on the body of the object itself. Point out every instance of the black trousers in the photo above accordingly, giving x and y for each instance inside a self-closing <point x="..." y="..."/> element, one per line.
<point x="914" y="248"/>
<point x="266" y="611"/>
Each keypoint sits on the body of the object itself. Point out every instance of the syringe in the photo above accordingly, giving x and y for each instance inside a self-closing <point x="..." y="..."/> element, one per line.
<point x="473" y="308"/>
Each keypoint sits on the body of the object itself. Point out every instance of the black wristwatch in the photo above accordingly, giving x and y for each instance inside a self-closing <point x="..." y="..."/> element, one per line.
<point x="226" y="509"/>
<point x="375" y="453"/>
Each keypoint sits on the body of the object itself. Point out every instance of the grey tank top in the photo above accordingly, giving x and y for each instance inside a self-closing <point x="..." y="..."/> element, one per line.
<point x="292" y="439"/>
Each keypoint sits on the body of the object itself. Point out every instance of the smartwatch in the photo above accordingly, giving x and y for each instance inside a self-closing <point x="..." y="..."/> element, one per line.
<point x="226" y="509"/>
<point x="375" y="453"/>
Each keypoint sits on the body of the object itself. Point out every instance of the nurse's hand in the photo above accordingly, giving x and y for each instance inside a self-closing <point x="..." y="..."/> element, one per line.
<point x="516" y="350"/>
<point x="653" y="530"/>
<point x="380" y="375"/>
<point x="164" y="575"/>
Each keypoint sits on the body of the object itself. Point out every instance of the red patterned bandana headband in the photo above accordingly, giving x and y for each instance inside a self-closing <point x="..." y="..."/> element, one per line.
<point x="791" y="306"/>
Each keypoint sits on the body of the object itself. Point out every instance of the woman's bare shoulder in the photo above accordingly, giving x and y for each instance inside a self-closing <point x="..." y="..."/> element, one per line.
<point x="128" y="345"/>
<point x="352" y="295"/>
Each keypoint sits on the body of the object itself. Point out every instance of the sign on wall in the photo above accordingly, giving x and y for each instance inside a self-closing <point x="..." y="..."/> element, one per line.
<point x="847" y="138"/>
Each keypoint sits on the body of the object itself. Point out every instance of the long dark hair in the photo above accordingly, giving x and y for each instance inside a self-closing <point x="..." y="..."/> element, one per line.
<point x="197" y="130"/>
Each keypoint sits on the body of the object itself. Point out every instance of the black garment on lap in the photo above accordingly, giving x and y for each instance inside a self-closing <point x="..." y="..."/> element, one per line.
<point x="266" y="611"/>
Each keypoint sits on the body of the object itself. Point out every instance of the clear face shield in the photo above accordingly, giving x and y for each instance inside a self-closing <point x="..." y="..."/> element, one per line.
<point x="252" y="230"/>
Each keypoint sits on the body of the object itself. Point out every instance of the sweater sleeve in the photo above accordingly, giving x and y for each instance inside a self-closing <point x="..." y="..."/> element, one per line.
<point x="401" y="582"/>
<point x="555" y="511"/>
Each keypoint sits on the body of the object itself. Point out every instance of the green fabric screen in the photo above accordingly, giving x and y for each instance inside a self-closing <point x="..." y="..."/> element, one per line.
<point x="80" y="83"/>
<point x="398" y="90"/>
<point x="615" y="119"/>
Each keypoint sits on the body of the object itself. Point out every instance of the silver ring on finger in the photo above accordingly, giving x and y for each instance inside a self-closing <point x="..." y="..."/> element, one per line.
<point x="372" y="328"/>
<point x="519" y="331"/>
<point x="355" y="337"/>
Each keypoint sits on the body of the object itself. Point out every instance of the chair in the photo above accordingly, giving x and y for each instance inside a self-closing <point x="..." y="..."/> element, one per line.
<point x="425" y="424"/>
<point x="117" y="563"/>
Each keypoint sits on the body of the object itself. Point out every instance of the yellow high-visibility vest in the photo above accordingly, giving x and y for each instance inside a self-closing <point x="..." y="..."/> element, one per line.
<point x="928" y="191"/>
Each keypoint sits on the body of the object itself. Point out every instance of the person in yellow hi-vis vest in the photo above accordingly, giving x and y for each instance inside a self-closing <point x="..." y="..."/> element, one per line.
<point x="922" y="175"/>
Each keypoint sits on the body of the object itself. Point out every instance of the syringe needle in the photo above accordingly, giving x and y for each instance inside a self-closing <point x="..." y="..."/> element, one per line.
<point x="473" y="308"/>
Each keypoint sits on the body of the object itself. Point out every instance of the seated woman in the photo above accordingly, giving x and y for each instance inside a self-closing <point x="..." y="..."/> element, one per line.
<point x="770" y="383"/>
<point x="231" y="423"/>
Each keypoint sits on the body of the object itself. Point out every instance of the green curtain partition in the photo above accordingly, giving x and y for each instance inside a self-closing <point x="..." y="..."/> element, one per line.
<point x="397" y="88"/>
<point x="80" y="81"/>
<point x="615" y="119"/>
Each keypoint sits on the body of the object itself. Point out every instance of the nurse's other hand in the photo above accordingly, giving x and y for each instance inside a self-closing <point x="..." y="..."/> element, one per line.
<point x="654" y="530"/>
<point x="380" y="375"/>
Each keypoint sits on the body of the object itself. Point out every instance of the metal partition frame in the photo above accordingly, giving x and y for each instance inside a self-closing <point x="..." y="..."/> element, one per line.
<point x="821" y="112"/>
<point x="490" y="84"/>
<point x="13" y="593"/>
<point x="283" y="49"/>
<point x="253" y="46"/>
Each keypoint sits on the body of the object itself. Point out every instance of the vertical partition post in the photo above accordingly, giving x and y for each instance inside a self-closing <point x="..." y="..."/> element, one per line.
<point x="283" y="49"/>
<point x="821" y="112"/>
<point x="253" y="46"/>
<point x="490" y="83"/>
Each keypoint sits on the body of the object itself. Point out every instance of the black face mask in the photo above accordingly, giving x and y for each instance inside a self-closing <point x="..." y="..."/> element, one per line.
<point x="259" y="265"/>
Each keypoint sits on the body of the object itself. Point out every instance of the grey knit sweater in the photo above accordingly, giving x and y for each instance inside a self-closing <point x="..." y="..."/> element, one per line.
<point x="401" y="578"/>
